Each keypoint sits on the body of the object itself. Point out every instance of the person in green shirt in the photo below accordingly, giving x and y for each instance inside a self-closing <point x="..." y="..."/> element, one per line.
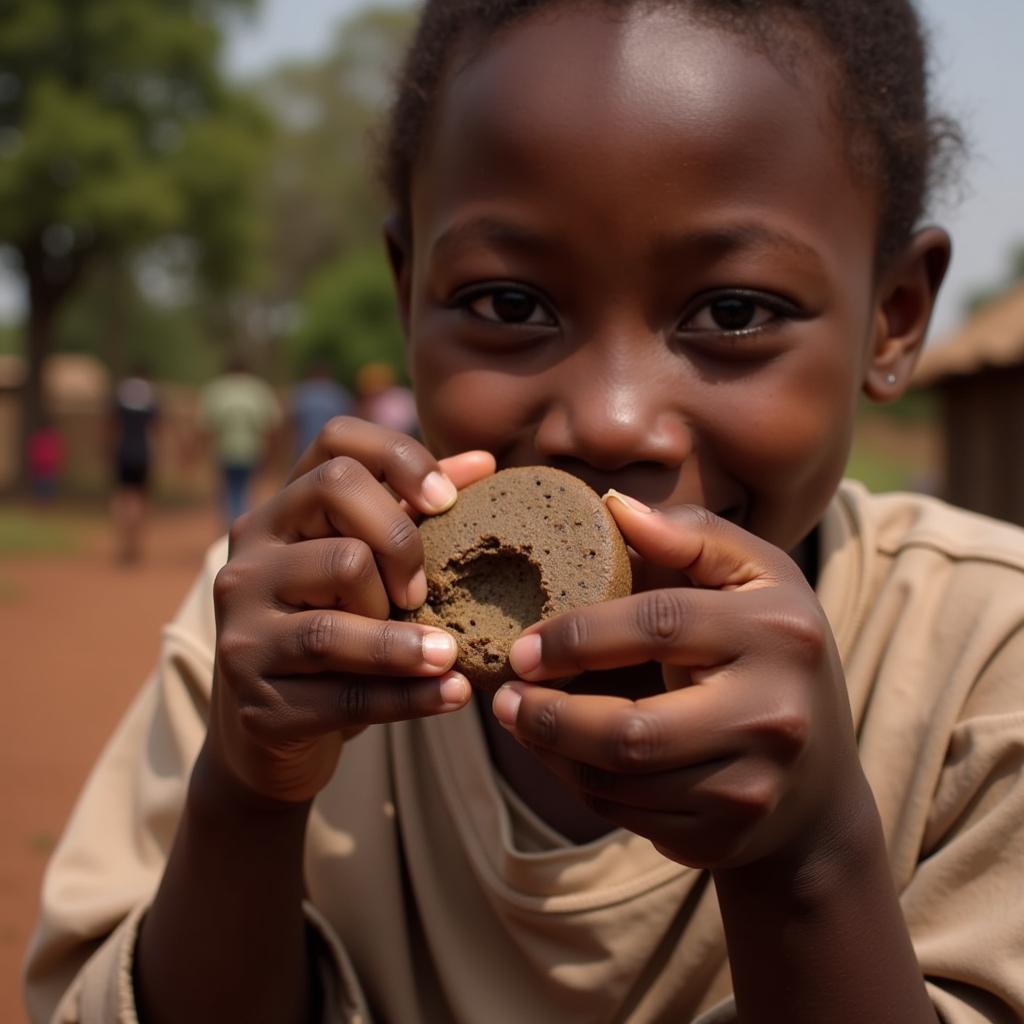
<point x="239" y="413"/>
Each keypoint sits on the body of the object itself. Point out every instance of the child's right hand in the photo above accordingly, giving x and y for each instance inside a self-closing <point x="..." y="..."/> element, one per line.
<point x="306" y="653"/>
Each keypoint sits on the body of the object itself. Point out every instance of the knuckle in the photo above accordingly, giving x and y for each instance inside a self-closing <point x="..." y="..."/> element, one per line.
<point x="788" y="733"/>
<point x="316" y="637"/>
<point x="353" y="703"/>
<point x="782" y="733"/>
<point x="260" y="714"/>
<point x="753" y="800"/>
<point x="338" y="474"/>
<point x="635" y="743"/>
<point x="660" y="616"/>
<point x="254" y="720"/>
<point x="400" y="448"/>
<point x="335" y="432"/>
<point x="699" y="516"/>
<point x="383" y="644"/>
<point x="402" y="533"/>
<point x="228" y="582"/>
<point x="348" y="561"/>
<point x="805" y="634"/>
<point x="239" y="530"/>
<point x="545" y="722"/>
<point x="235" y="649"/>
<point x="402" y="702"/>
<point x="574" y="637"/>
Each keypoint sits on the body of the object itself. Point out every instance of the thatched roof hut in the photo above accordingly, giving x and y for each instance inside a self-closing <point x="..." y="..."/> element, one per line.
<point x="979" y="374"/>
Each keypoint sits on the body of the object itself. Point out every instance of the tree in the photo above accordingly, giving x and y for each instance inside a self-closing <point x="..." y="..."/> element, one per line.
<point x="350" y="319"/>
<point x="116" y="129"/>
<point x="322" y="199"/>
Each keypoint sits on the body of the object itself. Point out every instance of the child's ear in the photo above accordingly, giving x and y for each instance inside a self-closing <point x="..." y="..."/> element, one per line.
<point x="906" y="300"/>
<point x="396" y="238"/>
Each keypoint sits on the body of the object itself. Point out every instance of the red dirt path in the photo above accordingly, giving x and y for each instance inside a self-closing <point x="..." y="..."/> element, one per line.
<point x="78" y="634"/>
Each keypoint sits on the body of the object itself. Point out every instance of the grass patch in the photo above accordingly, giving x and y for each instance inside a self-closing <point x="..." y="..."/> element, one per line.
<point x="42" y="842"/>
<point x="897" y="447"/>
<point x="27" y="532"/>
<point x="878" y="472"/>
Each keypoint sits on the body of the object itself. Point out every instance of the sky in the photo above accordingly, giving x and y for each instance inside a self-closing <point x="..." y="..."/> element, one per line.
<point x="979" y="78"/>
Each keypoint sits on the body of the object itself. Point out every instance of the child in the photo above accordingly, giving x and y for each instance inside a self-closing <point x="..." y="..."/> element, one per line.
<point x="134" y="415"/>
<point x="663" y="246"/>
<point x="46" y="455"/>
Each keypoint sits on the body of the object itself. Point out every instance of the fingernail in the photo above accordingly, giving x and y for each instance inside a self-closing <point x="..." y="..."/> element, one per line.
<point x="636" y="506"/>
<point x="525" y="654"/>
<point x="416" y="592"/>
<point x="506" y="705"/>
<point x="438" y="492"/>
<point x="455" y="691"/>
<point x="438" y="649"/>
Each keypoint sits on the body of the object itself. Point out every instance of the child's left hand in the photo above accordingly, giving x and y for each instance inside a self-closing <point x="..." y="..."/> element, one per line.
<point x="750" y="752"/>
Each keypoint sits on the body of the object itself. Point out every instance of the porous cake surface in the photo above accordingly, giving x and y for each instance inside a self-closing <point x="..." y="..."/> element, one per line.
<point x="517" y="547"/>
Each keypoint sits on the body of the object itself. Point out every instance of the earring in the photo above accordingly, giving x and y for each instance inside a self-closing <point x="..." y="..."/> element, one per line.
<point x="890" y="379"/>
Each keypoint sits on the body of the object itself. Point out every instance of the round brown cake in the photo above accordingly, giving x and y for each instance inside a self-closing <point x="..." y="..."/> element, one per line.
<point x="520" y="546"/>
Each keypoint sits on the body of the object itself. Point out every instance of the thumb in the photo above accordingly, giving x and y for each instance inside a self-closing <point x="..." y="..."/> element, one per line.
<point x="709" y="550"/>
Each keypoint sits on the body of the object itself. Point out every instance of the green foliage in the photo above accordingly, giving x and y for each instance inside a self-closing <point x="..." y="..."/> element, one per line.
<point x="109" y="318"/>
<point x="350" y="319"/>
<point x="322" y="198"/>
<point x="117" y="129"/>
<point x="915" y="407"/>
<point x="220" y="168"/>
<point x="24" y="532"/>
<point x="78" y="164"/>
<point x="324" y="208"/>
<point x="10" y="340"/>
<point x="108" y="111"/>
<point x="878" y="471"/>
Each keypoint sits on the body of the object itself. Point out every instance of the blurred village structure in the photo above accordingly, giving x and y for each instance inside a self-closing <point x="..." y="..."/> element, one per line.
<point x="978" y="374"/>
<point x="78" y="393"/>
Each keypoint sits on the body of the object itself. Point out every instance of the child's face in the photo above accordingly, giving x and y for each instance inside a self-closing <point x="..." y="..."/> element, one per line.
<point x="639" y="253"/>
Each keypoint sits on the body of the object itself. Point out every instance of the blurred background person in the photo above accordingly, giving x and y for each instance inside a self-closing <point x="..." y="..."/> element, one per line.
<point x="240" y="415"/>
<point x="382" y="400"/>
<point x="314" y="400"/>
<point x="45" y="458"/>
<point x="133" y="416"/>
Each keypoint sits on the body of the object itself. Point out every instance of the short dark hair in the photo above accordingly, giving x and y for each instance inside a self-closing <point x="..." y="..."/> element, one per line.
<point x="878" y="48"/>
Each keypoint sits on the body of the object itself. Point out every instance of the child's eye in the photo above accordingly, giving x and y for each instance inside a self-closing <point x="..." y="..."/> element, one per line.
<point x="736" y="313"/>
<point x="508" y="306"/>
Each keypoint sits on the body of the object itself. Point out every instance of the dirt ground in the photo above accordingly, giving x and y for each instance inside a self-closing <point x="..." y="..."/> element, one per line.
<point x="78" y="635"/>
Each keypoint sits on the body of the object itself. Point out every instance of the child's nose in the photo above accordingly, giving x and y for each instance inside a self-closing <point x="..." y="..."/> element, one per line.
<point x="613" y="413"/>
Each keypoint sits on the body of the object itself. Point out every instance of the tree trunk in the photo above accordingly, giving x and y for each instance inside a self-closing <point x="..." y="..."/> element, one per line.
<point x="48" y="286"/>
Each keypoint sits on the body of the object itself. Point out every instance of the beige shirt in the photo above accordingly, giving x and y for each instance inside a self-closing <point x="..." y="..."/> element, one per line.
<point x="440" y="897"/>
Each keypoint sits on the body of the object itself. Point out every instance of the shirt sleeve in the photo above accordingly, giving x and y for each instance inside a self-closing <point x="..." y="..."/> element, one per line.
<point x="965" y="904"/>
<point x="111" y="857"/>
